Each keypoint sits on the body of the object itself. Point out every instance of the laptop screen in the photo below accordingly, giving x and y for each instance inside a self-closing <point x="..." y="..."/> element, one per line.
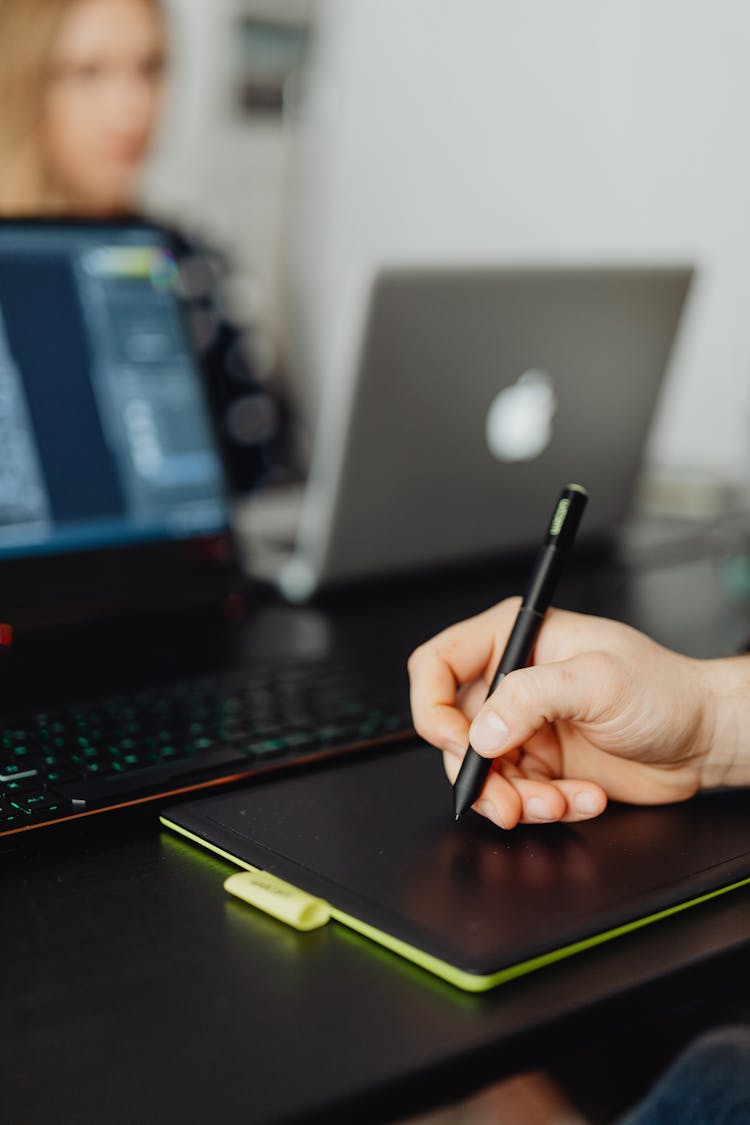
<point x="105" y="432"/>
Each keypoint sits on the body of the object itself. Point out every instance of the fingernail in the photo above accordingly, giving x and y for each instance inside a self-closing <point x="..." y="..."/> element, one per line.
<point x="488" y="732"/>
<point x="537" y="807"/>
<point x="586" y="803"/>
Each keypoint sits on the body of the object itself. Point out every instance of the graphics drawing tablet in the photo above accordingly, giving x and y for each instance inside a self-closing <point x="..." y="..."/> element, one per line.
<point x="374" y="839"/>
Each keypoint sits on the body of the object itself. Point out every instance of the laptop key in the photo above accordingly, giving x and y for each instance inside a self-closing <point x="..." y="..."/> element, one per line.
<point x="13" y="771"/>
<point x="36" y="802"/>
<point x="93" y="789"/>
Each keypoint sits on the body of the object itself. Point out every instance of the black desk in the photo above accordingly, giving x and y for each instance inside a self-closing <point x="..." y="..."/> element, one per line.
<point x="135" y="991"/>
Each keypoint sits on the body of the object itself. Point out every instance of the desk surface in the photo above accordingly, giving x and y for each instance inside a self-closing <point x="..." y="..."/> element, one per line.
<point x="136" y="990"/>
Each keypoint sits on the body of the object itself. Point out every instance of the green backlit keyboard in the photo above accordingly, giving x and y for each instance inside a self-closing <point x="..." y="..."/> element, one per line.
<point x="64" y="764"/>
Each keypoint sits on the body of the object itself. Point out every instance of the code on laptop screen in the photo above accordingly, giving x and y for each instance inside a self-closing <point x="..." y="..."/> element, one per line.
<point x="105" y="433"/>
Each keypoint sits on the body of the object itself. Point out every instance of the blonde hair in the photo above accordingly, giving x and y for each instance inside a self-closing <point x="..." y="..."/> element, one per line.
<point x="28" y="31"/>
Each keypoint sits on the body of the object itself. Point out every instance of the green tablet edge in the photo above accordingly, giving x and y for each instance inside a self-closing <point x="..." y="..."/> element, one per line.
<point x="473" y="982"/>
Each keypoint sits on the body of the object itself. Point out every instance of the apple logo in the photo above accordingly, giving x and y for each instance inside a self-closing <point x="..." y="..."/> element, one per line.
<point x="518" y="426"/>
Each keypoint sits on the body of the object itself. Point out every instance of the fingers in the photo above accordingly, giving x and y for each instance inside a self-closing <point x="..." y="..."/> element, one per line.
<point x="500" y="801"/>
<point x="463" y="653"/>
<point x="510" y="797"/>
<point x="576" y="681"/>
<point x="586" y="689"/>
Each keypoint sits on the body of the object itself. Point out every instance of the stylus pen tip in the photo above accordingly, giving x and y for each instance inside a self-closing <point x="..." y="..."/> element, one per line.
<point x="459" y="805"/>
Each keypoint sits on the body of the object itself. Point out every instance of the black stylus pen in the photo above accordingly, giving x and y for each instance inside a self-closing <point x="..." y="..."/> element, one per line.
<point x="557" y="542"/>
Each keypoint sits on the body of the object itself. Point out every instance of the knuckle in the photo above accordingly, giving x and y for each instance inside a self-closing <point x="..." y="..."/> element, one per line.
<point x="416" y="658"/>
<point x="423" y="732"/>
<point x="610" y="678"/>
<point x="507" y="604"/>
<point x="605" y="667"/>
<point x="511" y="810"/>
<point x="519" y="691"/>
<point x="421" y="726"/>
<point x="438" y="646"/>
<point x="426" y="724"/>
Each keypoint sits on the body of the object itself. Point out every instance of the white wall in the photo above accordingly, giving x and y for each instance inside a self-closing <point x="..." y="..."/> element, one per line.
<point x="507" y="130"/>
<point x="486" y="130"/>
<point x="217" y="173"/>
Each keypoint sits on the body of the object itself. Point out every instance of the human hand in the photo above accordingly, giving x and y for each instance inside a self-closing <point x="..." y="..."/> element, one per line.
<point x="602" y="711"/>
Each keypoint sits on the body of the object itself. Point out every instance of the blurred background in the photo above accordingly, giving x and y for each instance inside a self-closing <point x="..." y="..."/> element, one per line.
<point x="318" y="141"/>
<point x="306" y="144"/>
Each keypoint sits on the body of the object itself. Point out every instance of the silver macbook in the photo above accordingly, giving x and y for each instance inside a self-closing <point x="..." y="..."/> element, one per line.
<point x="477" y="394"/>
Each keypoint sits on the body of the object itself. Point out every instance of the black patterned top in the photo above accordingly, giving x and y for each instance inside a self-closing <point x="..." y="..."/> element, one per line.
<point x="248" y="407"/>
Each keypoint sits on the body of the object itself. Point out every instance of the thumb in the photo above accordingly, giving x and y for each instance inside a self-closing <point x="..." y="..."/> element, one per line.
<point x="585" y="689"/>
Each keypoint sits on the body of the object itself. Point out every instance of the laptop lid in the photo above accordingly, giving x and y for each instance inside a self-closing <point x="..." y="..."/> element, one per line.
<point x="478" y="393"/>
<point x="112" y="491"/>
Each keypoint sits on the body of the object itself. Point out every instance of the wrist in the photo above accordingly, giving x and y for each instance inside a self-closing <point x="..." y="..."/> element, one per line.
<point x="726" y="758"/>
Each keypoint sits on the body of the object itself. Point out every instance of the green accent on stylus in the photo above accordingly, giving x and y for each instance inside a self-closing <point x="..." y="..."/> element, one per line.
<point x="558" y="519"/>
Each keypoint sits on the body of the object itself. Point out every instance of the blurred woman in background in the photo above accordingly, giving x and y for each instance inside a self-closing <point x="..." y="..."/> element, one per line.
<point x="81" y="90"/>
